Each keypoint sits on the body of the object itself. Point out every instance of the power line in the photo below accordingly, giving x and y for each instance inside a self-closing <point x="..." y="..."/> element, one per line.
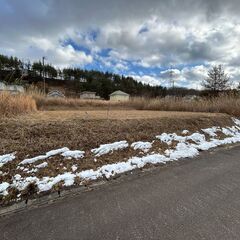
<point x="44" y="81"/>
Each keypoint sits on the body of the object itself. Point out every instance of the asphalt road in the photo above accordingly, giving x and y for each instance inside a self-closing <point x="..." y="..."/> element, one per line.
<point x="194" y="199"/>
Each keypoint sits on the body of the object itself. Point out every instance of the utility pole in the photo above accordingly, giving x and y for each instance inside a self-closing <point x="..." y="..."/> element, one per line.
<point x="44" y="82"/>
<point x="172" y="81"/>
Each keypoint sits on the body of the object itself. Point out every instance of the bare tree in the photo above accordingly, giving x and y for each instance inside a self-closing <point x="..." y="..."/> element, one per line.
<point x="217" y="80"/>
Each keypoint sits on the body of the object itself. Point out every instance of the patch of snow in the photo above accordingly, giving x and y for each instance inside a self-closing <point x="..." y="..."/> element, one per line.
<point x="228" y="132"/>
<point x="74" y="168"/>
<point x="145" y="146"/>
<point x="183" y="150"/>
<point x="170" y="137"/>
<point x="6" y="158"/>
<point x="43" y="157"/>
<point x="166" y="138"/>
<point x="42" y="165"/>
<point x="107" y="148"/>
<point x="34" y="159"/>
<point x="185" y="132"/>
<point x="3" y="188"/>
<point x="140" y="162"/>
<point x="47" y="183"/>
<point x="116" y="168"/>
<point x="211" y="131"/>
<point x="34" y="170"/>
<point x="57" y="151"/>
<point x="236" y="121"/>
<point x="197" y="138"/>
<point x="73" y="154"/>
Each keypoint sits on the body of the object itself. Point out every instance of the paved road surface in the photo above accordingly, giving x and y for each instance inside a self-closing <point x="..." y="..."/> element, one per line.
<point x="196" y="199"/>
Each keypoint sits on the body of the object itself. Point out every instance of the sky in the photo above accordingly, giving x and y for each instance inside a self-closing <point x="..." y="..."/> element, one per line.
<point x="138" y="38"/>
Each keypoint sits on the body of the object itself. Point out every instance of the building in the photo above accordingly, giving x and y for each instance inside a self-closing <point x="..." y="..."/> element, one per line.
<point x="55" y="94"/>
<point x="88" y="95"/>
<point x="13" y="89"/>
<point x="119" y="96"/>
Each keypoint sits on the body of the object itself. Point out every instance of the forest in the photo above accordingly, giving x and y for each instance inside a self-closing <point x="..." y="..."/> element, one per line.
<point x="14" y="70"/>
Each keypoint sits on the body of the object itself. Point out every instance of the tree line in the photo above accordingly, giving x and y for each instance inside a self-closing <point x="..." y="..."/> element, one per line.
<point x="103" y="83"/>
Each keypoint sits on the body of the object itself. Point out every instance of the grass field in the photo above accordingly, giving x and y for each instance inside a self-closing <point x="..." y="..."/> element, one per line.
<point x="21" y="104"/>
<point x="39" y="132"/>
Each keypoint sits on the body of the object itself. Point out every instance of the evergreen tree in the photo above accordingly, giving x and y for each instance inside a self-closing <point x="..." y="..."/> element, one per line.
<point x="217" y="80"/>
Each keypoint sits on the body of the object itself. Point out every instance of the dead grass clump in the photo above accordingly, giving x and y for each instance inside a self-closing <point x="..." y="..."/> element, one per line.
<point x="223" y="104"/>
<point x="11" y="105"/>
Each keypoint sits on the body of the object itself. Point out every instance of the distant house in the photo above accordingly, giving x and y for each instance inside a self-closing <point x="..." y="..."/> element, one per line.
<point x="13" y="89"/>
<point x="2" y="86"/>
<point x="55" y="94"/>
<point x="191" y="97"/>
<point x="88" y="95"/>
<point x="119" y="96"/>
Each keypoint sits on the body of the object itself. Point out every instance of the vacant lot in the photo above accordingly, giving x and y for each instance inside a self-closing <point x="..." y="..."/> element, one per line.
<point x="40" y="132"/>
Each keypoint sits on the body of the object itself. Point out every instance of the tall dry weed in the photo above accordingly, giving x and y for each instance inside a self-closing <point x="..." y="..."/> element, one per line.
<point x="11" y="105"/>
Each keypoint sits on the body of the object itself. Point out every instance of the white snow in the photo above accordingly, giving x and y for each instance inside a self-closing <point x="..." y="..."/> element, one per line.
<point x="42" y="165"/>
<point x="57" y="151"/>
<point x="211" y="131"/>
<point x="197" y="138"/>
<point x="185" y="132"/>
<point x="166" y="138"/>
<point x="3" y="188"/>
<point x="47" y="183"/>
<point x="73" y="154"/>
<point x="183" y="150"/>
<point x="107" y="148"/>
<point x="236" y="121"/>
<point x="145" y="146"/>
<point x="6" y="158"/>
<point x="43" y="157"/>
<point x="74" y="168"/>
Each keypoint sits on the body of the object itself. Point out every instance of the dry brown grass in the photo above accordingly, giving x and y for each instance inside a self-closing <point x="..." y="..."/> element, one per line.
<point x="224" y="104"/>
<point x="38" y="133"/>
<point x="14" y="105"/>
<point x="44" y="103"/>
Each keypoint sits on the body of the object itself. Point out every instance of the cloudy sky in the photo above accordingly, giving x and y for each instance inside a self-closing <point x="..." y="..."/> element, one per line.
<point x="139" y="38"/>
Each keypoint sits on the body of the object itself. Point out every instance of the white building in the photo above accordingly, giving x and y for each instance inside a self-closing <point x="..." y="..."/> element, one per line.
<point x="88" y="95"/>
<point x="119" y="96"/>
<point x="13" y="89"/>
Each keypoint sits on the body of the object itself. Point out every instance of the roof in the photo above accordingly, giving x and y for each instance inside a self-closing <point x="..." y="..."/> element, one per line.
<point x="87" y="92"/>
<point x="119" y="93"/>
<point x="55" y="93"/>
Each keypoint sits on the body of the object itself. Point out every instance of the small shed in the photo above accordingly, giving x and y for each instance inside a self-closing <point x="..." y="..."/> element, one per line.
<point x="88" y="95"/>
<point x="119" y="96"/>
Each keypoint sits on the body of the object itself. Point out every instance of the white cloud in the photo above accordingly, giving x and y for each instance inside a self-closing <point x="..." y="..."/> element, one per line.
<point x="146" y="33"/>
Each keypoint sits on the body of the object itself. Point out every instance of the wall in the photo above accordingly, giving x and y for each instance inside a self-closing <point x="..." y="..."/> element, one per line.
<point x="119" y="98"/>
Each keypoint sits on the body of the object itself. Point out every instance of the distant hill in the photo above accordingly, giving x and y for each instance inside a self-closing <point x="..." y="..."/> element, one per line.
<point x="72" y="81"/>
